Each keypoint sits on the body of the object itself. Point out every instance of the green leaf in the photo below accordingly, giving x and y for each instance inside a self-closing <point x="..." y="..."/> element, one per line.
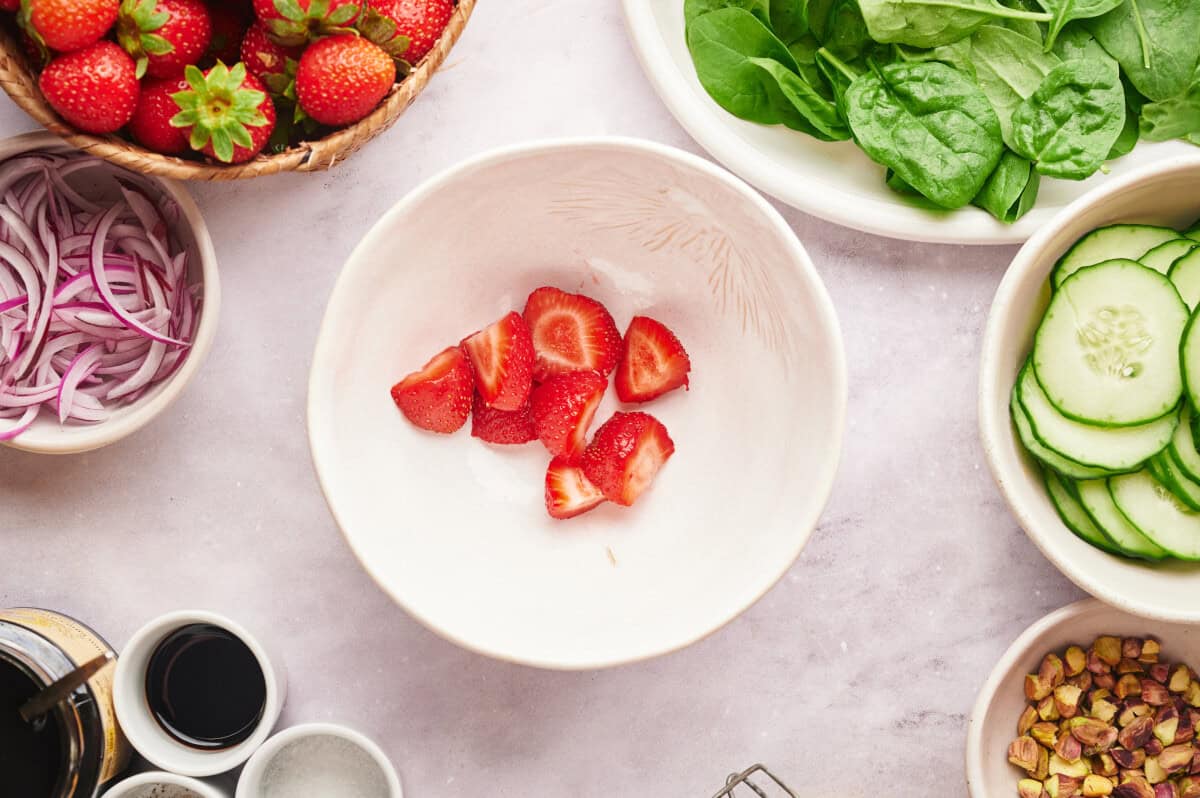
<point x="1076" y="41"/>
<point x="156" y="45"/>
<point x="1157" y="43"/>
<point x="696" y="8"/>
<point x="1065" y="11"/>
<point x="222" y="144"/>
<point x="194" y="77"/>
<point x="1127" y="139"/>
<point x="1011" y="190"/>
<point x="800" y="106"/>
<point x="846" y="34"/>
<point x="956" y="54"/>
<point x="789" y="19"/>
<point x="1068" y="126"/>
<point x="931" y="124"/>
<point x="1009" y="68"/>
<point x="1175" y="117"/>
<point x="342" y="14"/>
<point x="931" y="23"/>
<point x="289" y="9"/>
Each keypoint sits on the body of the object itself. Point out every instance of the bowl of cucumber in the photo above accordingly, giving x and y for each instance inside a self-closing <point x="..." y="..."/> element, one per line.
<point x="1089" y="389"/>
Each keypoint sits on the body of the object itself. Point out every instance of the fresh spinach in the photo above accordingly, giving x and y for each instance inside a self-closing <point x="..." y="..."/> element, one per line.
<point x="1175" y="117"/>
<point x="1069" y="125"/>
<point x="799" y="105"/>
<point x="1011" y="190"/>
<point x="931" y="124"/>
<point x="697" y="8"/>
<point x="1009" y="68"/>
<point x="1127" y="139"/>
<point x="931" y="23"/>
<point x="1065" y="11"/>
<point x="789" y="19"/>
<point x="956" y="54"/>
<point x="846" y="33"/>
<point x="804" y="50"/>
<point x="1157" y="43"/>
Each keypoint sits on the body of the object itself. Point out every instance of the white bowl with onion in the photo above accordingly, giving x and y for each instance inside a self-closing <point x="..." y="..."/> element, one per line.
<point x="95" y="347"/>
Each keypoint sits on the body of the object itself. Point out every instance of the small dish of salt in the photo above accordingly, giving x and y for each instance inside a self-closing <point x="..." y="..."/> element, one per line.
<point x="159" y="784"/>
<point x="319" y="759"/>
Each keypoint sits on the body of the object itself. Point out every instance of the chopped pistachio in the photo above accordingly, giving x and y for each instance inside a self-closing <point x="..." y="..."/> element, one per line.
<point x="1095" y="786"/>
<point x="1035" y="688"/>
<point x="1076" y="769"/>
<point x="1105" y="680"/>
<point x="1154" y="772"/>
<point x="1068" y="748"/>
<point x="1150" y="650"/>
<point x="1128" y="685"/>
<point x="1160" y="672"/>
<point x="1097" y="665"/>
<point x="1153" y="693"/>
<point x="1126" y="759"/>
<point x="1075" y="660"/>
<point x="1104" y="764"/>
<point x="1026" y="721"/>
<point x="1165" y="790"/>
<point x="1181" y="677"/>
<point x="1102" y="710"/>
<point x="1166" y="724"/>
<point x="1030" y="788"/>
<point x="1137" y="733"/>
<point x="1192" y="694"/>
<point x="1153" y="747"/>
<point x="1047" y="710"/>
<point x="1134" y="788"/>
<point x="1045" y="733"/>
<point x="1108" y="649"/>
<point x="1176" y="758"/>
<point x="1129" y="666"/>
<point x="1189" y="788"/>
<point x="1066" y="700"/>
<point x="1052" y="671"/>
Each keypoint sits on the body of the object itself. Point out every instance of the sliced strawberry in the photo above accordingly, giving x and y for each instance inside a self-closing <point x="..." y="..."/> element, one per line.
<point x="625" y="454"/>
<point x="568" y="491"/>
<point x="563" y="408"/>
<point x="653" y="363"/>
<point x="571" y="332"/>
<point x="502" y="356"/>
<point x="438" y="397"/>
<point x="501" y="426"/>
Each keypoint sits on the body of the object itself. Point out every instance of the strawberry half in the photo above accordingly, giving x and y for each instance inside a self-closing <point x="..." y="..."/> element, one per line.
<point x="563" y="408"/>
<point x="501" y="426"/>
<point x="568" y="491"/>
<point x="502" y="356"/>
<point x="571" y="332"/>
<point x="653" y="362"/>
<point x="438" y="397"/>
<point x="626" y="454"/>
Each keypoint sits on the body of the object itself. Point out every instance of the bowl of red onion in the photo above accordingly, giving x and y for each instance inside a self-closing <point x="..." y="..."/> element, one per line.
<point x="109" y="297"/>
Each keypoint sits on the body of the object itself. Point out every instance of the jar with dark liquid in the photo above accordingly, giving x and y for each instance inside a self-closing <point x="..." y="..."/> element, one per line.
<point x="74" y="750"/>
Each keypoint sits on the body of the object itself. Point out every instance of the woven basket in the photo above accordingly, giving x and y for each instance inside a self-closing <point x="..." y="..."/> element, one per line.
<point x="20" y="82"/>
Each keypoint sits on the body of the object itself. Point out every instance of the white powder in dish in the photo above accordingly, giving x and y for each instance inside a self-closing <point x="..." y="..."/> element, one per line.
<point x="163" y="791"/>
<point x="323" y="765"/>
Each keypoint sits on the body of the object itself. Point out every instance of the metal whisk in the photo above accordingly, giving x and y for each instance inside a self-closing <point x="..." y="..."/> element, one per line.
<point x="751" y="779"/>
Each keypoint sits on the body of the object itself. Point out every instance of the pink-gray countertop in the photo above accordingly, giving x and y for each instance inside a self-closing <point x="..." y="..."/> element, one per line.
<point x="853" y="678"/>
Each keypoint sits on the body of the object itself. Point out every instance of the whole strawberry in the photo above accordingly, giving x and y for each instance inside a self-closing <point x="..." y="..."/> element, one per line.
<point x="342" y="79"/>
<point x="94" y="89"/>
<point x="264" y="58"/>
<point x="226" y="113"/>
<point x="230" y="20"/>
<point x="67" y="25"/>
<point x="420" y="21"/>
<point x="151" y="123"/>
<point x="165" y="36"/>
<point x="9" y="5"/>
<point x="294" y="23"/>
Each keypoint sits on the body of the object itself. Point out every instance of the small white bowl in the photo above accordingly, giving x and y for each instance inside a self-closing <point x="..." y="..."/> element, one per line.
<point x="251" y="782"/>
<point x="457" y="531"/>
<point x="993" y="722"/>
<point x="143" y="786"/>
<point x="1167" y="193"/>
<point x="47" y="435"/>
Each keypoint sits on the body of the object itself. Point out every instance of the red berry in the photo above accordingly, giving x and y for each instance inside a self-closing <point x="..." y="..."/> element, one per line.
<point x="626" y="454"/>
<point x="438" y="397"/>
<point x="563" y="408"/>
<point x="95" y="89"/>
<point x="343" y="78"/>
<point x="502" y="357"/>
<point x="151" y="123"/>
<point x="263" y="56"/>
<point x="229" y="117"/>
<point x="653" y="363"/>
<point x="164" y="35"/>
<point x="571" y="332"/>
<point x="304" y="23"/>
<point x="68" y="25"/>
<point x="422" y="21"/>
<point x="501" y="426"/>
<point x="568" y="491"/>
<point x="9" y="5"/>
<point x="230" y="19"/>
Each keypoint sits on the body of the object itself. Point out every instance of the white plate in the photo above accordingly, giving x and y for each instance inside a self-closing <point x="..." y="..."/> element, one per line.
<point x="835" y="181"/>
<point x="457" y="531"/>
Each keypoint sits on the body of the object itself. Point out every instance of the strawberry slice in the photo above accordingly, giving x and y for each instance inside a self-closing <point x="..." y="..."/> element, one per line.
<point x="571" y="332"/>
<point x="653" y="363"/>
<point x="563" y="408"/>
<point x="568" y="491"/>
<point x="438" y="397"/>
<point x="625" y="455"/>
<point x="501" y="426"/>
<point x="502" y="356"/>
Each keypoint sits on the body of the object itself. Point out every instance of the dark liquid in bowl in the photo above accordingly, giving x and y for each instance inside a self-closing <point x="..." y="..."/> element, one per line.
<point x="205" y="687"/>
<point x="30" y="753"/>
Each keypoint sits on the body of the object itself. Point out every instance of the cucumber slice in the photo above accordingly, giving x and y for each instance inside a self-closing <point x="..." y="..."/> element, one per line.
<point x="1074" y="516"/>
<point x="1183" y="445"/>
<point x="1173" y="479"/>
<point x="1193" y="232"/>
<point x="1098" y="502"/>
<point x="1154" y="466"/>
<point x="1051" y="460"/>
<point x="1163" y="257"/>
<point x="1185" y="274"/>
<point x="1157" y="513"/>
<point x="1106" y="350"/>
<point x="1130" y="241"/>
<point x="1111" y="448"/>
<point x="1189" y="359"/>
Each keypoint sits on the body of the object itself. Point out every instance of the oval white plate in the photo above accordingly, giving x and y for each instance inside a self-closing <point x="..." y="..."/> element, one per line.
<point x="835" y="181"/>
<point x="456" y="530"/>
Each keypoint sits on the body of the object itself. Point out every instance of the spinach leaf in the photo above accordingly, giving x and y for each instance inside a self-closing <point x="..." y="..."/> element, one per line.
<point x="1076" y="41"/>
<point x="930" y="23"/>
<point x="1009" y="68"/>
<point x="1011" y="190"/>
<point x="1157" y="43"/>
<point x="804" y="50"/>
<point x="1192" y="138"/>
<point x="846" y="33"/>
<point x="1127" y="139"/>
<point x="1065" y="11"/>
<point x="1174" y="117"/>
<point x="910" y="194"/>
<point x="799" y="105"/>
<point x="1068" y="126"/>
<point x="957" y="54"/>
<point x="817" y="14"/>
<point x="930" y="124"/>
<point x="789" y="19"/>
<point x="1026" y="27"/>
<point x="838" y="75"/>
<point x="696" y="8"/>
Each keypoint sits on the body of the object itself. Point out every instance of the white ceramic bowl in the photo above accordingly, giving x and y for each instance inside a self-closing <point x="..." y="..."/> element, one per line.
<point x="160" y="784"/>
<point x="257" y="771"/>
<point x="835" y="181"/>
<point x="1165" y="193"/>
<point x="457" y="531"/>
<point x="993" y="722"/>
<point x="47" y="435"/>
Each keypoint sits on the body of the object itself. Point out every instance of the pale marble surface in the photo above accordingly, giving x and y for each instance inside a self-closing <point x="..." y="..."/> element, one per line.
<point x="852" y="678"/>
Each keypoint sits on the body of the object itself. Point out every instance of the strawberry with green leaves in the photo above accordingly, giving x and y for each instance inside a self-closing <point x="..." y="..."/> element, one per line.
<point x="151" y="123"/>
<point x="226" y="113"/>
<point x="343" y="78"/>
<point x="95" y="89"/>
<point x="230" y="20"/>
<point x="266" y="59"/>
<point x="164" y="36"/>
<point x="294" y="23"/>
<point x="67" y="25"/>
<point x="420" y="22"/>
